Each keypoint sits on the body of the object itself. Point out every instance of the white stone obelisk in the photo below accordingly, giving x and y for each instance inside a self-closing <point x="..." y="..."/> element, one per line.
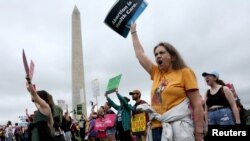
<point x="78" y="82"/>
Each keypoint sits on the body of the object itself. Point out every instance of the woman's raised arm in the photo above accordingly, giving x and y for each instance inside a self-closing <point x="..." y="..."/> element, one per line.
<point x="139" y="51"/>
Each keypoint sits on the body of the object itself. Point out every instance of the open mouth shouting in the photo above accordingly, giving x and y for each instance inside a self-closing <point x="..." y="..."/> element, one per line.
<point x="159" y="62"/>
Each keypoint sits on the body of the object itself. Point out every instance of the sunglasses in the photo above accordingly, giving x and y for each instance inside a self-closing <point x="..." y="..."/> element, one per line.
<point x="133" y="93"/>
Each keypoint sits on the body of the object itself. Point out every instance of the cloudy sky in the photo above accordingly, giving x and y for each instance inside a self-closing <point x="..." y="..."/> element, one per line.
<point x="210" y="35"/>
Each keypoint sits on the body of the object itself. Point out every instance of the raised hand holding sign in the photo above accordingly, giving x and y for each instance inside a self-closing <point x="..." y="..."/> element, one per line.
<point x="123" y="13"/>
<point x="29" y="71"/>
<point x="26" y="66"/>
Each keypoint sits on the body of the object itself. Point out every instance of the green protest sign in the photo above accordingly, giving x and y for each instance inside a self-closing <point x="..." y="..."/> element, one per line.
<point x="79" y="109"/>
<point x="113" y="84"/>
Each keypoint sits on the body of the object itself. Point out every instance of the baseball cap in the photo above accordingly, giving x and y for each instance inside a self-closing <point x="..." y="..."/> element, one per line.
<point x="214" y="73"/>
<point x="135" y="92"/>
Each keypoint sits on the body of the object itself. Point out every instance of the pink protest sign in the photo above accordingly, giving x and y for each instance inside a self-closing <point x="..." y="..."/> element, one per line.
<point x="26" y="67"/>
<point x="31" y="71"/>
<point x="34" y="86"/>
<point x="100" y="124"/>
<point x="110" y="120"/>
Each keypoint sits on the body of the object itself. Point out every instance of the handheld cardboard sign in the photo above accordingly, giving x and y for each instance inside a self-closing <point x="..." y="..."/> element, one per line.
<point x="113" y="84"/>
<point x="26" y="67"/>
<point x="123" y="13"/>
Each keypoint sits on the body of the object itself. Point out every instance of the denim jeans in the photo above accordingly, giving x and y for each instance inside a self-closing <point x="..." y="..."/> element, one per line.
<point x="156" y="134"/>
<point x="110" y="131"/>
<point x="9" y="139"/>
<point x="221" y="116"/>
<point x="68" y="136"/>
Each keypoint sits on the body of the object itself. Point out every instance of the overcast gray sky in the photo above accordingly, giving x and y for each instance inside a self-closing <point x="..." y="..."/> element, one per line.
<point x="210" y="35"/>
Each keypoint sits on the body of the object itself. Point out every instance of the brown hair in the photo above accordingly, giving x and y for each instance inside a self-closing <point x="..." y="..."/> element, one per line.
<point x="178" y="62"/>
<point x="108" y="104"/>
<point x="220" y="82"/>
<point x="104" y="111"/>
<point x="47" y="98"/>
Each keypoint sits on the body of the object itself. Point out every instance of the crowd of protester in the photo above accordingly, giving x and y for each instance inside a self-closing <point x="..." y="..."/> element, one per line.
<point x="90" y="128"/>
<point x="176" y="107"/>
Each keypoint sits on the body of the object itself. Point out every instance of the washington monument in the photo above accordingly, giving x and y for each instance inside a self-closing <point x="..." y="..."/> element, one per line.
<point x="78" y="84"/>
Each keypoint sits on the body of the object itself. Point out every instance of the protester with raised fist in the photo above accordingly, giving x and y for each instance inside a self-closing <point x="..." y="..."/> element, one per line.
<point x="174" y="88"/>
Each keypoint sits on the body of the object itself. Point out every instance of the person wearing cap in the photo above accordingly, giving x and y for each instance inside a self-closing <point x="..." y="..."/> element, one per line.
<point x="174" y="83"/>
<point x="220" y="106"/>
<point x="136" y="96"/>
<point x="123" y="116"/>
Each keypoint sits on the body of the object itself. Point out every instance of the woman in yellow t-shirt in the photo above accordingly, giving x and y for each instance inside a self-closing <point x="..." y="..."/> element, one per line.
<point x="173" y="82"/>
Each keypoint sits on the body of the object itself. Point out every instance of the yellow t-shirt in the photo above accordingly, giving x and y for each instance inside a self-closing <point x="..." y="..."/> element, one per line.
<point x="169" y="89"/>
